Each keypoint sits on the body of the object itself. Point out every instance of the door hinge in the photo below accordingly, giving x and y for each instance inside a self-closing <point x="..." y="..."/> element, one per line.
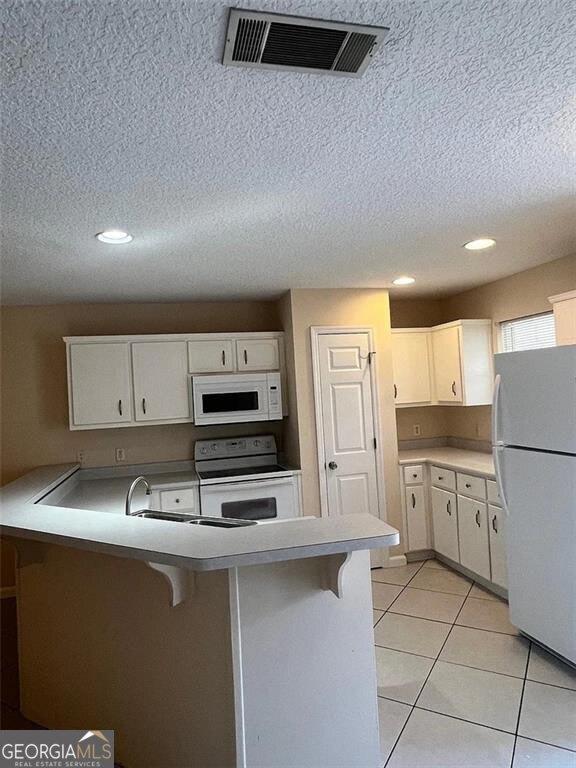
<point x="374" y="442"/>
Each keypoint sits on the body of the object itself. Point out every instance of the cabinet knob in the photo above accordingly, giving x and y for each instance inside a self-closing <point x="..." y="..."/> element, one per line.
<point x="468" y="485"/>
<point x="440" y="477"/>
<point x="177" y="501"/>
<point x="414" y="475"/>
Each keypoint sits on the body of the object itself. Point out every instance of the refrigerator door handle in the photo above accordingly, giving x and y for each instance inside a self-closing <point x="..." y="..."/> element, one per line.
<point x="498" y="445"/>
<point x="496" y="451"/>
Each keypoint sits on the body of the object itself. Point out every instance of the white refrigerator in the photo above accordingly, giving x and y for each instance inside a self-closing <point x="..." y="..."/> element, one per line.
<point x="534" y="445"/>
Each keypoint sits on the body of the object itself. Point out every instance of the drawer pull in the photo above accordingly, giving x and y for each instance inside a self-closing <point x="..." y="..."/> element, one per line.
<point x="177" y="501"/>
<point x="414" y="475"/>
<point x="468" y="485"/>
<point x="478" y="518"/>
<point x="454" y="388"/>
<point x="395" y="391"/>
<point x="245" y="357"/>
<point x="223" y="357"/>
<point x="440" y="477"/>
<point x="144" y="404"/>
<point x="120" y="407"/>
<point x="413" y="501"/>
<point x="449" y="507"/>
<point x="494" y="526"/>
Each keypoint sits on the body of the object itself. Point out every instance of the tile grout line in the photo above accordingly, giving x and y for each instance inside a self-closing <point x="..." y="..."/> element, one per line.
<point x="520" y="706"/>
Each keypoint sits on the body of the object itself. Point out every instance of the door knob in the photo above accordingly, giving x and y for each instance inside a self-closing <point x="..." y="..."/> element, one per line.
<point x="332" y="465"/>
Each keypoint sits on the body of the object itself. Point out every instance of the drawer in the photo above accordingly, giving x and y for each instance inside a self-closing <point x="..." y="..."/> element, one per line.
<point x="493" y="492"/>
<point x="470" y="485"/>
<point x="183" y="498"/>
<point x="443" y="478"/>
<point x="413" y="474"/>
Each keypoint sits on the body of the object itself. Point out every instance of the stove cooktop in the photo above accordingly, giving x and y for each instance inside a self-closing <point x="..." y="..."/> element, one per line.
<point x="207" y="474"/>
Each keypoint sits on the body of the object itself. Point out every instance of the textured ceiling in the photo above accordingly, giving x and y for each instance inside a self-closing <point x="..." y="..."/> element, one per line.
<point x="238" y="182"/>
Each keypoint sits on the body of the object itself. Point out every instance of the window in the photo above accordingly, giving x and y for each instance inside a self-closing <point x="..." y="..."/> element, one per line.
<point x="532" y="332"/>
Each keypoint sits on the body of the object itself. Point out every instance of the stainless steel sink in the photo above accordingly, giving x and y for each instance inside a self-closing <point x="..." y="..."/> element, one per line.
<point x="175" y="517"/>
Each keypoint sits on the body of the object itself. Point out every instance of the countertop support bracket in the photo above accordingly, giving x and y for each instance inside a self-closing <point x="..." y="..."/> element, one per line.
<point x="333" y="572"/>
<point x="182" y="582"/>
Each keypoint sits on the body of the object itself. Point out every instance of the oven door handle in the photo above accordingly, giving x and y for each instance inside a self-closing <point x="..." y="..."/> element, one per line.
<point x="272" y="482"/>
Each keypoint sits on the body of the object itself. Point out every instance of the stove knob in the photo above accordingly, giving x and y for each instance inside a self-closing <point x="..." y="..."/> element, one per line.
<point x="256" y="443"/>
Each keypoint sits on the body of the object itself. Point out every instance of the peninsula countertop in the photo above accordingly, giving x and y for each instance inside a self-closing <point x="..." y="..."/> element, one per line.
<point x="456" y="458"/>
<point x="192" y="547"/>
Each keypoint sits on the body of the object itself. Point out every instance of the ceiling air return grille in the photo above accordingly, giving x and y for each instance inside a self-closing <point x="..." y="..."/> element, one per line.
<point x="273" y="41"/>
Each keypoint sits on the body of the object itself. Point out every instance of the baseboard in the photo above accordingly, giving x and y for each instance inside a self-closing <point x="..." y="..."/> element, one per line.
<point x="395" y="561"/>
<point x="420" y="554"/>
<point x="7" y="592"/>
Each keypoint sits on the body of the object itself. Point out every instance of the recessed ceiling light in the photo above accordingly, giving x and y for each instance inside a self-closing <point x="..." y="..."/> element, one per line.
<point x="480" y="244"/>
<point x="115" y="236"/>
<point x="404" y="280"/>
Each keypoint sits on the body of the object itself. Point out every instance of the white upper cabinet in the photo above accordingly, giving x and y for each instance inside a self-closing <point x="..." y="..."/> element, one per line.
<point x="463" y="362"/>
<point x="258" y="354"/>
<point x="564" y="317"/>
<point x="211" y="356"/>
<point x="411" y="359"/>
<point x="160" y="380"/>
<point x="450" y="364"/>
<point x="447" y="372"/>
<point x="130" y="381"/>
<point x="99" y="384"/>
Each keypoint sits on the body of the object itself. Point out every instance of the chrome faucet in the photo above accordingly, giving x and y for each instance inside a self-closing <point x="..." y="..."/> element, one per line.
<point x="140" y="479"/>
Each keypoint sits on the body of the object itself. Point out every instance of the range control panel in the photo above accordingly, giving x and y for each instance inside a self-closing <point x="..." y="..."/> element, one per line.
<point x="234" y="446"/>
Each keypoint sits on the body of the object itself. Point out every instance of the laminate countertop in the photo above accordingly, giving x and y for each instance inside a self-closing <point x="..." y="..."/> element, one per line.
<point x="475" y="462"/>
<point x="192" y="547"/>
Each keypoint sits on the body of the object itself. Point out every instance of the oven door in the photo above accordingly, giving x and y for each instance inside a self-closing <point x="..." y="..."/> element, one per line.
<point x="229" y="399"/>
<point x="270" y="499"/>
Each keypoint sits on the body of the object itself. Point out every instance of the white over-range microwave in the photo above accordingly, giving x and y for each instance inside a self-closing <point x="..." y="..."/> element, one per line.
<point x="235" y="397"/>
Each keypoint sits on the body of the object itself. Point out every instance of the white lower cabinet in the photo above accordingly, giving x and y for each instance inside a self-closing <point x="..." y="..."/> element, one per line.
<point x="473" y="536"/>
<point x="416" y="524"/>
<point x="445" y="523"/>
<point x="497" y="533"/>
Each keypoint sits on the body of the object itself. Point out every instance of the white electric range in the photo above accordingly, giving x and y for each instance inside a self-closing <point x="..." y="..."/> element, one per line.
<point x="241" y="478"/>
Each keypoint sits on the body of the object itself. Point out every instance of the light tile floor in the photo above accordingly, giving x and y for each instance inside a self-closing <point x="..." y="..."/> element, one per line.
<point x="457" y="685"/>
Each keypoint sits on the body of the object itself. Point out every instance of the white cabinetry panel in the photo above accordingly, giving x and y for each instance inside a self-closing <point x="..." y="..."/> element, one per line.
<point x="415" y="501"/>
<point x="447" y="370"/>
<point x="99" y="384"/>
<point x="497" y="532"/>
<point x="473" y="536"/>
<point x="258" y="354"/>
<point x="160" y="380"/>
<point x="445" y="523"/>
<point x="211" y="356"/>
<point x="410" y="357"/>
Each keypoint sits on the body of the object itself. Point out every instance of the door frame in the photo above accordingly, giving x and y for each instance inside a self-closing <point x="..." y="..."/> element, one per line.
<point x="316" y="331"/>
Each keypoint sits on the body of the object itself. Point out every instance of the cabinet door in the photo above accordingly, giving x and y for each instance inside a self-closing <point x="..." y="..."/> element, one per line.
<point x="100" y="384"/>
<point x="447" y="370"/>
<point x="411" y="368"/>
<point x="258" y="354"/>
<point x="207" y="356"/>
<point x="497" y="532"/>
<point x="445" y="523"/>
<point x="416" y="518"/>
<point x="473" y="536"/>
<point x="160" y="380"/>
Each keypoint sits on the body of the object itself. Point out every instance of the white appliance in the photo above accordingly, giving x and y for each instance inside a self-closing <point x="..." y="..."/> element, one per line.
<point x="236" y="397"/>
<point x="241" y="478"/>
<point x="534" y="445"/>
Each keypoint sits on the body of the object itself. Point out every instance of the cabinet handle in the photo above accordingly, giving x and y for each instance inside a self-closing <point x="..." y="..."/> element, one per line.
<point x="245" y="357"/>
<point x="454" y="388"/>
<point x="395" y="391"/>
<point x="177" y="501"/>
<point x="414" y="475"/>
<point x="440" y="477"/>
<point x="144" y="404"/>
<point x="120" y="407"/>
<point x="413" y="501"/>
<point x="468" y="485"/>
<point x="494" y="526"/>
<point x="478" y="518"/>
<point x="449" y="507"/>
<point x="223" y="357"/>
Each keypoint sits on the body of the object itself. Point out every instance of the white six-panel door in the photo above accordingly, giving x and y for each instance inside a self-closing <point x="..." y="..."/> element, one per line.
<point x="348" y="423"/>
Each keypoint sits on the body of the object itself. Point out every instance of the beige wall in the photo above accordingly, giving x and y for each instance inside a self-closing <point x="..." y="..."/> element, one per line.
<point x="34" y="390"/>
<point x="353" y="307"/>
<point x="415" y="313"/>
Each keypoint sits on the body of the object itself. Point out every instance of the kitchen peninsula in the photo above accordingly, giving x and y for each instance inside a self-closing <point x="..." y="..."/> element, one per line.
<point x="200" y="646"/>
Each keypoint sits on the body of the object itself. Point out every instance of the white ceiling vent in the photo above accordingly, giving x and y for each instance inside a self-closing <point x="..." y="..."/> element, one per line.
<point x="274" y="41"/>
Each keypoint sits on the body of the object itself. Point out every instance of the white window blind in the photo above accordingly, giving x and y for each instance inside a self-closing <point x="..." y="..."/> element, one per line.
<point x="528" y="333"/>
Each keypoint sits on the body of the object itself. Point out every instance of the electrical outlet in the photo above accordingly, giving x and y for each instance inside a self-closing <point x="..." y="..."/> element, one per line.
<point x="120" y="454"/>
<point x="81" y="457"/>
<point x="416" y="430"/>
